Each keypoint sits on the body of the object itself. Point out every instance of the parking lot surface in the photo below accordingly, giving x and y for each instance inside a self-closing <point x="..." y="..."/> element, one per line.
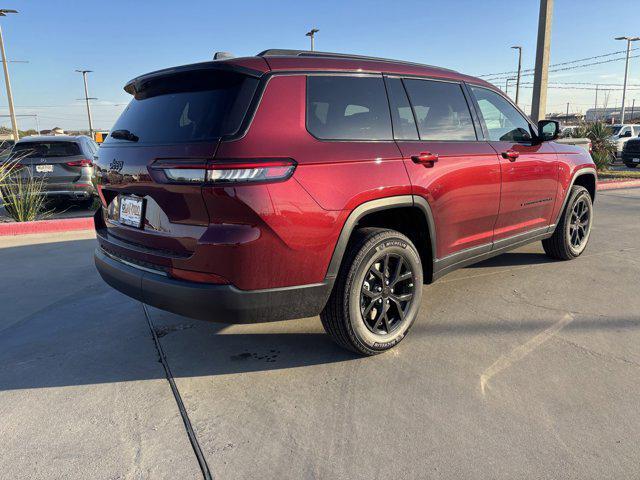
<point x="518" y="367"/>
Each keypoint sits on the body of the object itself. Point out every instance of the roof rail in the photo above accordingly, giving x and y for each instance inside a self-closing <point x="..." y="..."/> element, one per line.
<point x="283" y="52"/>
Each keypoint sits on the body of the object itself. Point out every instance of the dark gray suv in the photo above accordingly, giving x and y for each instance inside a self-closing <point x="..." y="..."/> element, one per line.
<point x="64" y="162"/>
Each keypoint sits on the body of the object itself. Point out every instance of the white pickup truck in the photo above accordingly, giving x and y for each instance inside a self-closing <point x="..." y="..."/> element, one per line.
<point x="621" y="135"/>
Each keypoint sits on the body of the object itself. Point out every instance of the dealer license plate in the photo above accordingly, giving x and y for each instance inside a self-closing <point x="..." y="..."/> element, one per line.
<point x="131" y="210"/>
<point x="44" y="168"/>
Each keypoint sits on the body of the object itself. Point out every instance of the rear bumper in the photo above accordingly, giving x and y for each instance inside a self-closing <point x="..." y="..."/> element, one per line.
<point x="74" y="194"/>
<point x="79" y="190"/>
<point x="627" y="157"/>
<point x="216" y="303"/>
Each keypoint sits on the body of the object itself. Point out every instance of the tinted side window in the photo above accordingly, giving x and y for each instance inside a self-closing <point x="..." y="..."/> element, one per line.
<point x="404" y="124"/>
<point x="348" y="108"/>
<point x="503" y="121"/>
<point x="441" y="110"/>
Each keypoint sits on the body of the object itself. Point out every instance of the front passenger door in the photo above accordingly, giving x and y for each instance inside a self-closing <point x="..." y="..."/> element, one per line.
<point x="529" y="169"/>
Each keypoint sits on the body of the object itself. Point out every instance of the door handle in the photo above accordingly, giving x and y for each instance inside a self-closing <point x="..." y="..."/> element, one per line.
<point x="427" y="159"/>
<point x="510" y="155"/>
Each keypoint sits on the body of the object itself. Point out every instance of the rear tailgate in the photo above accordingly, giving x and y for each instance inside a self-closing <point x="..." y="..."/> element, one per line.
<point x="176" y="116"/>
<point x="49" y="160"/>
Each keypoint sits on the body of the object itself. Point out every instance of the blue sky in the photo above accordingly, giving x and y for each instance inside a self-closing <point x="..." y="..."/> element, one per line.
<point x="121" y="39"/>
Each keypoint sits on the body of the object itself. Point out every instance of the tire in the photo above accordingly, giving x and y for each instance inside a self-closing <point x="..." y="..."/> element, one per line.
<point x="565" y="243"/>
<point x="355" y="316"/>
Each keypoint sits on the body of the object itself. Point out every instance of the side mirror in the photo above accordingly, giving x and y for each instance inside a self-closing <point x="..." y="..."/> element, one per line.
<point x="548" y="130"/>
<point x="626" y="134"/>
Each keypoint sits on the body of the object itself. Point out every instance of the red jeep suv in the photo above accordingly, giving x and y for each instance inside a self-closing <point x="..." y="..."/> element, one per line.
<point x="294" y="183"/>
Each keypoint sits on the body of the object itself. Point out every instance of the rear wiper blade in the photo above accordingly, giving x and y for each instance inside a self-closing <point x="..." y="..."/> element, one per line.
<point x="124" y="135"/>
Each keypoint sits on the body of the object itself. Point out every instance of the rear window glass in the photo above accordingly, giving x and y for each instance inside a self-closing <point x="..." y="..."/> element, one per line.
<point x="187" y="107"/>
<point x="348" y="108"/>
<point x="46" y="149"/>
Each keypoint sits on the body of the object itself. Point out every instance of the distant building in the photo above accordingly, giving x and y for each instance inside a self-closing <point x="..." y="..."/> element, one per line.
<point x="564" y="119"/>
<point x="612" y="115"/>
<point x="53" y="131"/>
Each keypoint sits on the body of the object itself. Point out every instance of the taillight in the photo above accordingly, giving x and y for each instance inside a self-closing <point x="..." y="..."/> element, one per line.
<point x="81" y="163"/>
<point x="590" y="147"/>
<point x="218" y="172"/>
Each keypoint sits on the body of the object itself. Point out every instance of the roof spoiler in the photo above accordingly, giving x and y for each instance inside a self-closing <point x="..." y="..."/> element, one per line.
<point x="138" y="84"/>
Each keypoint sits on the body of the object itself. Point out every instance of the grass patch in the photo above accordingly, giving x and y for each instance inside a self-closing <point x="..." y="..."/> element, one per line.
<point x="615" y="175"/>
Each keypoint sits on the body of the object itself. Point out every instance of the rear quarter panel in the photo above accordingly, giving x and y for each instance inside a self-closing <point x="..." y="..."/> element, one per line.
<point x="335" y="176"/>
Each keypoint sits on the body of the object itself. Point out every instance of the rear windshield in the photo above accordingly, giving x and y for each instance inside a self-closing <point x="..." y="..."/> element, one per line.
<point x="187" y="107"/>
<point x="46" y="149"/>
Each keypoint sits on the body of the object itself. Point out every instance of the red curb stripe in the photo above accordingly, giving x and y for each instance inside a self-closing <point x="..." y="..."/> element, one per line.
<point x="618" y="184"/>
<point x="46" y="226"/>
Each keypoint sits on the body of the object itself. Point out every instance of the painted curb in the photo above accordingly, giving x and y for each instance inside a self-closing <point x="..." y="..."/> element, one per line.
<point x="618" y="184"/>
<point x="46" y="226"/>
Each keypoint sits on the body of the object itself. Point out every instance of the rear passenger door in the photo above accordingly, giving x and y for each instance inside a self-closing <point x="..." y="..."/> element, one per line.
<point x="448" y="166"/>
<point x="529" y="169"/>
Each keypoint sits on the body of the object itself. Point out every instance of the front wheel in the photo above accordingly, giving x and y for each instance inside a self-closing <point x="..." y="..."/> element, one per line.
<point x="377" y="294"/>
<point x="572" y="232"/>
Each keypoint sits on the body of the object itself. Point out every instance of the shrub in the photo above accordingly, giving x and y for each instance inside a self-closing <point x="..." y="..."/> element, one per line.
<point x="22" y="196"/>
<point x="20" y="192"/>
<point x="603" y="149"/>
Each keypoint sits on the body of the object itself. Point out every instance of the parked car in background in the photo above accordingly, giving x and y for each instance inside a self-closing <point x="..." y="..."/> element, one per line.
<point x="568" y="131"/>
<point x="584" y="143"/>
<point x="65" y="163"/>
<point x="621" y="135"/>
<point x="631" y="153"/>
<point x="293" y="183"/>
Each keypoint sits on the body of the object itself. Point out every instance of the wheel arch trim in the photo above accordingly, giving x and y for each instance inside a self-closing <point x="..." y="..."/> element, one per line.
<point x="377" y="205"/>
<point x="579" y="173"/>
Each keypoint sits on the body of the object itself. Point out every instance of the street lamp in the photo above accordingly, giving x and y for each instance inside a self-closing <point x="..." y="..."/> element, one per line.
<point x="506" y="85"/>
<point x="311" y="33"/>
<point x="519" y="48"/>
<point x="12" y="113"/>
<point x="626" y="71"/>
<point x="87" y="98"/>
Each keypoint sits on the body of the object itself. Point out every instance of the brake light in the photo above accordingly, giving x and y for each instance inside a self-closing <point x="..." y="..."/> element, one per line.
<point x="81" y="163"/>
<point x="13" y="166"/>
<point x="224" y="171"/>
<point x="590" y="147"/>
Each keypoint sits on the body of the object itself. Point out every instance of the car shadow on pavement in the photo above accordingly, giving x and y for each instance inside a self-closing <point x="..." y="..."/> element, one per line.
<point x="75" y="330"/>
<point x="514" y="259"/>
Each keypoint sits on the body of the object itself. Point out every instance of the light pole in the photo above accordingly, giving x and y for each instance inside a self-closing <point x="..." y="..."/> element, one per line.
<point x="633" y="106"/>
<point x="506" y="85"/>
<point x="519" y="48"/>
<point x="311" y="33"/>
<point x="543" y="50"/>
<point x="626" y="71"/>
<point x="12" y="112"/>
<point x="567" y="116"/>
<point x="87" y="98"/>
